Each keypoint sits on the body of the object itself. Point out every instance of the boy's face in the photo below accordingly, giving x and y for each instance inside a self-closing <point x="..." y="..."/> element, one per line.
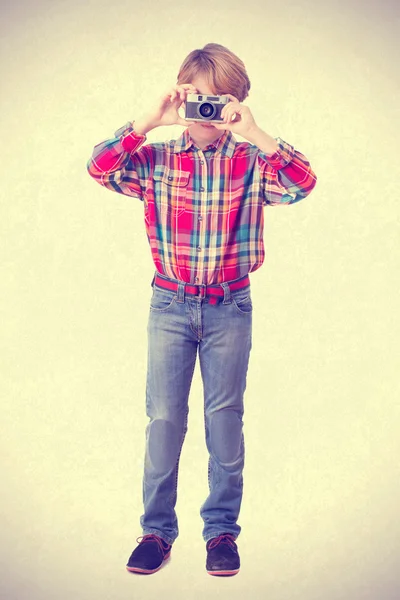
<point x="204" y="129"/>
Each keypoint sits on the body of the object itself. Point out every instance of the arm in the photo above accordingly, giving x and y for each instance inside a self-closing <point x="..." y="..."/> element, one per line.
<point x="286" y="174"/>
<point x="119" y="163"/>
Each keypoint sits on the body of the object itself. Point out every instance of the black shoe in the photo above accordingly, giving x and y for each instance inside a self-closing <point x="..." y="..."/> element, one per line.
<point x="149" y="556"/>
<point x="222" y="555"/>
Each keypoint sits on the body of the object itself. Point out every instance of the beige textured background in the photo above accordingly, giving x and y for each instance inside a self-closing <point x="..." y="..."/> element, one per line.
<point x="320" y="513"/>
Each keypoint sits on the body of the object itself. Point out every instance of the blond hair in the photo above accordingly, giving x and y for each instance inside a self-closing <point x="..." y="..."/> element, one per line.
<point x="222" y="69"/>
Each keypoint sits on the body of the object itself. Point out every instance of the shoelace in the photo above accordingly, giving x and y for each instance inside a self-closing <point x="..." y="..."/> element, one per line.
<point x="224" y="538"/>
<point x="150" y="537"/>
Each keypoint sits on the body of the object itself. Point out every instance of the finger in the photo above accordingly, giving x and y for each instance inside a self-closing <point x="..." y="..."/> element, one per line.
<point x="232" y="115"/>
<point x="185" y="87"/>
<point x="176" y="93"/>
<point x="189" y="90"/>
<point x="167" y="96"/>
<point x="232" y="118"/>
<point x="184" y="122"/>
<point x="231" y="105"/>
<point x="232" y="97"/>
<point x="181" y="93"/>
<point x="225" y="110"/>
<point x="188" y="86"/>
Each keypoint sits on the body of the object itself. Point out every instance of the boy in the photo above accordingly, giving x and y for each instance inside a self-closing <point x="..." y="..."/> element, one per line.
<point x="203" y="200"/>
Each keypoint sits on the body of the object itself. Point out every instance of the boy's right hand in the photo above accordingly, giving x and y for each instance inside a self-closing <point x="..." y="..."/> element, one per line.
<point x="167" y="111"/>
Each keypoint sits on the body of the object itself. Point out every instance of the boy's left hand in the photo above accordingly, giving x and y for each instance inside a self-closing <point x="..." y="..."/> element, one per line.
<point x="243" y="122"/>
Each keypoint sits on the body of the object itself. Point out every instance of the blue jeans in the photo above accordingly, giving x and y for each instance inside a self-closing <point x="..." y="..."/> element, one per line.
<point x="180" y="325"/>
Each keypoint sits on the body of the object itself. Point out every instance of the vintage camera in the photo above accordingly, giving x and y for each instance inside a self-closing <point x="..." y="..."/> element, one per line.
<point x="202" y="107"/>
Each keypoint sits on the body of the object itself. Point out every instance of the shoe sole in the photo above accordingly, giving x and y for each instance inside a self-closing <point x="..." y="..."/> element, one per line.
<point x="233" y="572"/>
<point x="147" y="571"/>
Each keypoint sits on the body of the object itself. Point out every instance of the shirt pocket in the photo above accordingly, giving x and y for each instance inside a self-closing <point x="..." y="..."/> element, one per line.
<point x="170" y="190"/>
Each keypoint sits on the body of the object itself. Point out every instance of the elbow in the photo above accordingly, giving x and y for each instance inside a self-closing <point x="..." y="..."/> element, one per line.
<point x="90" y="167"/>
<point x="313" y="180"/>
<point x="312" y="183"/>
<point x="303" y="192"/>
<point x="93" y="170"/>
<point x="308" y="186"/>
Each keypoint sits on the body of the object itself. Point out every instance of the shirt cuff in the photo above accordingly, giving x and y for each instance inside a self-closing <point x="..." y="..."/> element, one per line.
<point x="281" y="157"/>
<point x="128" y="137"/>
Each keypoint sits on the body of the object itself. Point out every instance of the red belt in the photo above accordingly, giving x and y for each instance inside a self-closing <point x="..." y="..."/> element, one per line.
<point x="201" y="291"/>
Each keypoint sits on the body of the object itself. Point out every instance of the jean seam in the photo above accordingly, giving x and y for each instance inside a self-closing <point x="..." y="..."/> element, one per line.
<point x="172" y="497"/>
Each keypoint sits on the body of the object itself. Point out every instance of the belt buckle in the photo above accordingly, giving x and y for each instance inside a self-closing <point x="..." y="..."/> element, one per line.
<point x="202" y="291"/>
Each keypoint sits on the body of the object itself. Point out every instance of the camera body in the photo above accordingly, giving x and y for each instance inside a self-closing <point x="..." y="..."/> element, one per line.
<point x="204" y="107"/>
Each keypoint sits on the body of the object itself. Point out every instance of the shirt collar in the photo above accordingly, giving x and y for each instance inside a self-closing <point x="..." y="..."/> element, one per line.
<point x="225" y="144"/>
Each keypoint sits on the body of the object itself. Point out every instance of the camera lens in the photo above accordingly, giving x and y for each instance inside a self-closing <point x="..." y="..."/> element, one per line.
<point x="206" y="110"/>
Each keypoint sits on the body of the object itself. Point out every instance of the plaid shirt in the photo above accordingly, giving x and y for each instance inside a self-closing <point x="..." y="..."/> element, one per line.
<point x="203" y="209"/>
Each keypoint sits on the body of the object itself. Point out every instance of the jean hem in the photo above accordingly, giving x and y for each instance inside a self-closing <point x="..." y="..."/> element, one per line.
<point x="164" y="537"/>
<point x="209" y="536"/>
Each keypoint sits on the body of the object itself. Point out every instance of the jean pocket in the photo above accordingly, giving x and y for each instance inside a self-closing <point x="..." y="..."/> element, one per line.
<point x="243" y="303"/>
<point x="170" y="190"/>
<point x="161" y="301"/>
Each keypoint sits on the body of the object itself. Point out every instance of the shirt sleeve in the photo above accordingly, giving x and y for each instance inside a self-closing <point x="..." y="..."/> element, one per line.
<point x="120" y="164"/>
<point x="286" y="176"/>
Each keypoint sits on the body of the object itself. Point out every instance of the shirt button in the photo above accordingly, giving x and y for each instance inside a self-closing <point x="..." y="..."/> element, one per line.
<point x="198" y="248"/>
<point x="200" y="218"/>
<point x="196" y="279"/>
<point x="202" y="189"/>
<point x="202" y="162"/>
<point x="169" y="178"/>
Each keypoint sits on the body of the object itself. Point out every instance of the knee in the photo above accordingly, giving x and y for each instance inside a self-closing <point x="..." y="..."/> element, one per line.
<point x="164" y="442"/>
<point x="225" y="435"/>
